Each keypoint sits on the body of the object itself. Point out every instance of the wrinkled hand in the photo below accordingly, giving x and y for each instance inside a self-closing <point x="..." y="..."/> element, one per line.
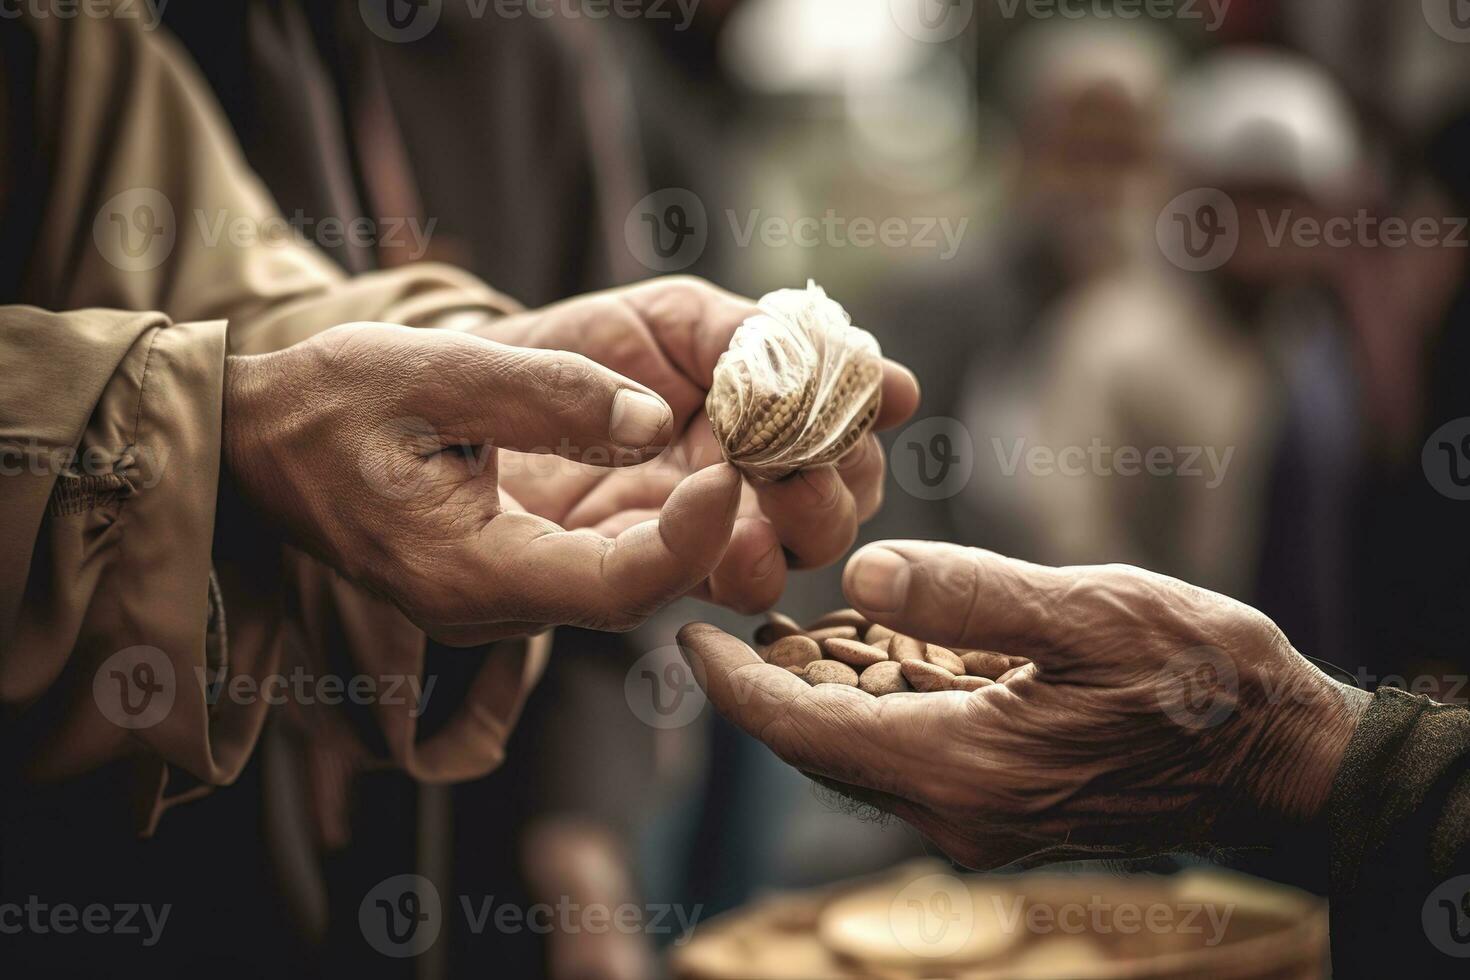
<point x="1154" y="714"/>
<point x="375" y="447"/>
<point x="668" y="334"/>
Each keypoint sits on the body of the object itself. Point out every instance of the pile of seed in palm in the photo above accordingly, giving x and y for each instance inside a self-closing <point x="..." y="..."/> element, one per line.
<point x="843" y="647"/>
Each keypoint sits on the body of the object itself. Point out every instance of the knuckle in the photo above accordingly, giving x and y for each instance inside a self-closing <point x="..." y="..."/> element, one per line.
<point x="678" y="301"/>
<point x="563" y="371"/>
<point x="1101" y="589"/>
<point x="572" y="382"/>
<point x="686" y="287"/>
<point x="564" y="387"/>
<point x="1250" y="623"/>
<point x="963" y="588"/>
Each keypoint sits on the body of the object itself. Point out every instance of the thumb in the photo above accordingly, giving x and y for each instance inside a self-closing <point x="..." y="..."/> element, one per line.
<point x="540" y="401"/>
<point x="965" y="598"/>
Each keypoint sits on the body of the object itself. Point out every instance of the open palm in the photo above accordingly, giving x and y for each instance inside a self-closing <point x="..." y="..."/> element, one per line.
<point x="1153" y="715"/>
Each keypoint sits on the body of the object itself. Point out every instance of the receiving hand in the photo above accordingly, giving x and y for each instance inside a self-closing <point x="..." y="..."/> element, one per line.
<point x="1153" y="715"/>
<point x="375" y="447"/>
<point x="668" y="334"/>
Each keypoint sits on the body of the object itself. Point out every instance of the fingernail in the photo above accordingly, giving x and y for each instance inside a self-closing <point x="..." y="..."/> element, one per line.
<point x="879" y="580"/>
<point x="637" y="419"/>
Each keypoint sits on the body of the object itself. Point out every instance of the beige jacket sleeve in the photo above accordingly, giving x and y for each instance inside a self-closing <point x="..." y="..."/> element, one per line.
<point x="120" y="628"/>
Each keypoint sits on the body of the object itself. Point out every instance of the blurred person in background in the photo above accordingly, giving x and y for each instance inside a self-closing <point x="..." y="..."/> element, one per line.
<point x="1411" y="330"/>
<point x="1181" y="393"/>
<point x="1086" y="98"/>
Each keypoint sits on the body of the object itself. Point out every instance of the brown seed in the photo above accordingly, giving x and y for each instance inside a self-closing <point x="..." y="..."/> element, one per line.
<point x="927" y="677"/>
<point x="876" y="633"/>
<point x="775" y="627"/>
<point x="884" y="677"/>
<point x="840" y="617"/>
<point x="856" y="655"/>
<point x="942" y="657"/>
<point x="831" y="672"/>
<point x="798" y="671"/>
<point x="834" y="633"/>
<point x="985" y="663"/>
<point x="794" y="651"/>
<point x="902" y="647"/>
<point x="967" y="683"/>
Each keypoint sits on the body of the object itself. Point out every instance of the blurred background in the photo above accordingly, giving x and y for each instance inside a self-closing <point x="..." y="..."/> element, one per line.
<point x="1118" y="260"/>
<point x="1185" y="285"/>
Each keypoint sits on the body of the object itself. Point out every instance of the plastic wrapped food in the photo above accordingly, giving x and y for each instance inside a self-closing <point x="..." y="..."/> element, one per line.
<point x="799" y="386"/>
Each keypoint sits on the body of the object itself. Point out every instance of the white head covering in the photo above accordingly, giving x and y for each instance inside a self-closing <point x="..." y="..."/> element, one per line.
<point x="1258" y="115"/>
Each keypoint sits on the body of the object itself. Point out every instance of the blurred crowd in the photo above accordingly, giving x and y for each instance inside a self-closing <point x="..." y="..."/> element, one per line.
<point x="1139" y="351"/>
<point x="1190" y="292"/>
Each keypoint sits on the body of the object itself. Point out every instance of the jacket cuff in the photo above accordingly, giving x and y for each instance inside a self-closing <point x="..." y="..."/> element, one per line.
<point x="1406" y="766"/>
<point x="127" y="566"/>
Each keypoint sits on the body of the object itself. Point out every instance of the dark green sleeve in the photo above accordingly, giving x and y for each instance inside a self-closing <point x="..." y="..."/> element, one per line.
<point x="1399" y="823"/>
